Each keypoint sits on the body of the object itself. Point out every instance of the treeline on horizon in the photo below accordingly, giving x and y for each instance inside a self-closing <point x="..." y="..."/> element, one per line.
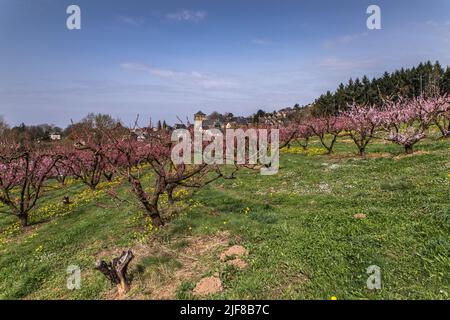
<point x="426" y="79"/>
<point x="42" y="132"/>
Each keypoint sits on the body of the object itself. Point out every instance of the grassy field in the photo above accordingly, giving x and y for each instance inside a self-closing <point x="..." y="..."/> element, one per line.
<point x="298" y="226"/>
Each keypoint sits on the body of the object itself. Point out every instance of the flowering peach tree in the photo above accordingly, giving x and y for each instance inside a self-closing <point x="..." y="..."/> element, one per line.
<point x="361" y="124"/>
<point x="326" y="126"/>
<point x="133" y="159"/>
<point x="407" y="120"/>
<point x="441" y="111"/>
<point x="23" y="172"/>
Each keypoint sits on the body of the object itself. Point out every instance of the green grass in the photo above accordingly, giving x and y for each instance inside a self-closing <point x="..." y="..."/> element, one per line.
<point x="303" y="240"/>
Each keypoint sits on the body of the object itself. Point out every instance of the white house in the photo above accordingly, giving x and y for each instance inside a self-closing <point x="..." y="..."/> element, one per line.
<point x="55" y="136"/>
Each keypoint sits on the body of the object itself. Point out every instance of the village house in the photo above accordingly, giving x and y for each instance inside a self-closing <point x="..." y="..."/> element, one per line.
<point x="221" y="124"/>
<point x="140" y="134"/>
<point x="178" y="126"/>
<point x="55" y="136"/>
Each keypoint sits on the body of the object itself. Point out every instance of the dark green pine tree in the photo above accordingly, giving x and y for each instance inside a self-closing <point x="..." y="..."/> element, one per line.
<point x="386" y="86"/>
<point x="350" y="90"/>
<point x="426" y="78"/>
<point x="359" y="92"/>
<point x="326" y="105"/>
<point x="435" y="78"/>
<point x="445" y="82"/>
<point x="340" y="97"/>
<point x="366" y="98"/>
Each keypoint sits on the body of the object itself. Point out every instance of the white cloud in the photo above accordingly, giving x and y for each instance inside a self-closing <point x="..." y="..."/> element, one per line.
<point x="432" y="23"/>
<point x="261" y="42"/>
<point x="436" y="24"/>
<point x="440" y="30"/>
<point x="132" y="21"/>
<point x="186" y="16"/>
<point x="180" y="77"/>
<point x="343" y="40"/>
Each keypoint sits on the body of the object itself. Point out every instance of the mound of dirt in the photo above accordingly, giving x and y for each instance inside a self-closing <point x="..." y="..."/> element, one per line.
<point x="238" y="263"/>
<point x="207" y="286"/>
<point x="234" y="251"/>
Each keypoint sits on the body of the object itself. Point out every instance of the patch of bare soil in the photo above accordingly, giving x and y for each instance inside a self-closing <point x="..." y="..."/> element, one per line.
<point x="234" y="251"/>
<point x="354" y="156"/>
<point x="160" y="281"/>
<point x="346" y="141"/>
<point x="378" y="155"/>
<point x="417" y="153"/>
<point x="213" y="284"/>
<point x="334" y="157"/>
<point x="238" y="263"/>
<point x="207" y="286"/>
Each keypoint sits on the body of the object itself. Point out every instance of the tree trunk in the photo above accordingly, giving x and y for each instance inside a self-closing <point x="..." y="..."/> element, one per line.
<point x="305" y="145"/>
<point x="151" y="209"/>
<point x="116" y="271"/>
<point x="330" y="148"/>
<point x="409" y="149"/>
<point x="362" y="152"/>
<point x="23" y="218"/>
<point x="62" y="181"/>
<point x="108" y="176"/>
<point x="66" y="200"/>
<point x="170" y="199"/>
<point x="156" y="218"/>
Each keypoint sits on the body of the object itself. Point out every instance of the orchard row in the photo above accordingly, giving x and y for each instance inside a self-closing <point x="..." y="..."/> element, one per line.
<point x="95" y="153"/>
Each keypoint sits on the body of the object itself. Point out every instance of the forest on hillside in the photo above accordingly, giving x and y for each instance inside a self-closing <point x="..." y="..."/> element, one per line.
<point x="426" y="79"/>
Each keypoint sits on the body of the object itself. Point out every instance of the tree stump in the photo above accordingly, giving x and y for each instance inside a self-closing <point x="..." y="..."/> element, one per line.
<point x="116" y="271"/>
<point x="66" y="200"/>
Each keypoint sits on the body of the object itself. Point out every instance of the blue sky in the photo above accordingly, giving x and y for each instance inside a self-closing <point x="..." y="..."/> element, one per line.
<point x="162" y="59"/>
